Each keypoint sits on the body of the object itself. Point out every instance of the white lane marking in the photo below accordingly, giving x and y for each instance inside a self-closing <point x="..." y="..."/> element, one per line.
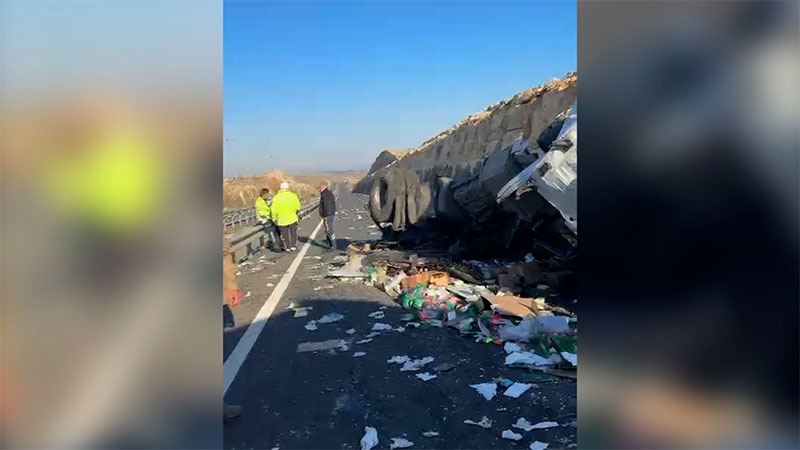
<point x="248" y="339"/>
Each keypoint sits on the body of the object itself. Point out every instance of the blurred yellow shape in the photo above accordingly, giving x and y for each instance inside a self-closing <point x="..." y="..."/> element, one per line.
<point x="115" y="183"/>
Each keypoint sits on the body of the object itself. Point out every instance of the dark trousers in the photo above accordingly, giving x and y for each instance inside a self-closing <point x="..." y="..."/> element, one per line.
<point x="328" y="221"/>
<point x="272" y="235"/>
<point x="289" y="235"/>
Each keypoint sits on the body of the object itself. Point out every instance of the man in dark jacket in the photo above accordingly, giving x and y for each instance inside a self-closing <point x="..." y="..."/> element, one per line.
<point x="327" y="210"/>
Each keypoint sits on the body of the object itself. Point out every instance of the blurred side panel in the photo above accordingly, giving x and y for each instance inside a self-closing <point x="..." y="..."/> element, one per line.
<point x="111" y="250"/>
<point x="689" y="202"/>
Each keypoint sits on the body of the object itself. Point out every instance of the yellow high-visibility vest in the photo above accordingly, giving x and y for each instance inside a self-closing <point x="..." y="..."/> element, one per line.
<point x="285" y="206"/>
<point x="262" y="209"/>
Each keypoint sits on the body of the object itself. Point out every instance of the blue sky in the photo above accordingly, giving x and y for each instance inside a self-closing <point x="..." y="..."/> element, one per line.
<point x="312" y="86"/>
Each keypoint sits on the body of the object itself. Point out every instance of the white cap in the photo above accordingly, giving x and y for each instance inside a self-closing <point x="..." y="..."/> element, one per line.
<point x="284" y="185"/>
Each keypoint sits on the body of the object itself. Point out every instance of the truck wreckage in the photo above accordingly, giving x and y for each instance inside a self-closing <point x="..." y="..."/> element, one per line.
<point x="521" y="199"/>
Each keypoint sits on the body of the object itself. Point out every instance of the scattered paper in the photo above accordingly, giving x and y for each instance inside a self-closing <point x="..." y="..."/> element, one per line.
<point x="487" y="390"/>
<point x="381" y="327"/>
<point x="400" y="443"/>
<point x="508" y="434"/>
<point x="416" y="364"/>
<point x="400" y="329"/>
<point x="302" y="311"/>
<point x="330" y="344"/>
<point x="430" y="433"/>
<point x="330" y="318"/>
<point x="248" y="294"/>
<point x="485" y="422"/>
<point x="543" y="425"/>
<point x="536" y="445"/>
<point x="398" y="359"/>
<point x="270" y="285"/>
<point x="311" y="326"/>
<point x="376" y="314"/>
<point x="511" y="347"/>
<point x="370" y="438"/>
<point x="571" y="357"/>
<point x="425" y="376"/>
<point x="363" y="341"/>
<point x="351" y="331"/>
<point x="516" y="389"/>
<point x="357" y="354"/>
<point x="527" y="358"/>
<point x="372" y="335"/>
<point x="552" y="324"/>
<point x="523" y="424"/>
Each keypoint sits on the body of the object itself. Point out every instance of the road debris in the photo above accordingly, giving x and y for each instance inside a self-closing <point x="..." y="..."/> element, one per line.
<point x="330" y="344"/>
<point x="430" y="433"/>
<point x="545" y="425"/>
<point x="372" y="335"/>
<point x="301" y="311"/>
<point x="269" y="285"/>
<point x="381" y="327"/>
<point x="527" y="358"/>
<point x="487" y="390"/>
<point x="425" y="376"/>
<point x="416" y="364"/>
<point x="398" y="359"/>
<point x="511" y="347"/>
<point x="523" y="424"/>
<point x="485" y="422"/>
<point x="536" y="445"/>
<point x="330" y="318"/>
<point x="400" y="443"/>
<point x="311" y="326"/>
<point x="572" y="358"/>
<point x="508" y="434"/>
<point x="370" y="438"/>
<point x="248" y="294"/>
<point x="516" y="389"/>
<point x="377" y="314"/>
<point x="351" y="331"/>
<point x="363" y="341"/>
<point x="444" y="367"/>
<point x="359" y="354"/>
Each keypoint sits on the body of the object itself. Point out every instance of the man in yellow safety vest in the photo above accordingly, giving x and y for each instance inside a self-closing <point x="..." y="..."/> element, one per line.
<point x="285" y="206"/>
<point x="264" y="217"/>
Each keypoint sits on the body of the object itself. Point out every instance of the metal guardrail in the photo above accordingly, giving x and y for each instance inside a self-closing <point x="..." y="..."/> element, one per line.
<point x="246" y="216"/>
<point x="237" y="217"/>
<point x="254" y="237"/>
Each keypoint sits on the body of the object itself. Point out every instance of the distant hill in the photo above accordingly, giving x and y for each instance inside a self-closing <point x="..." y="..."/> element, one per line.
<point x="241" y="192"/>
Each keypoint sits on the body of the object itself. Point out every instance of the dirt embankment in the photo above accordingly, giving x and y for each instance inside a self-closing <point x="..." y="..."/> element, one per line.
<point x="241" y="192"/>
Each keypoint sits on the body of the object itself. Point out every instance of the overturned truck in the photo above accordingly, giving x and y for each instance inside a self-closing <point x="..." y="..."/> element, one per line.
<point x="501" y="182"/>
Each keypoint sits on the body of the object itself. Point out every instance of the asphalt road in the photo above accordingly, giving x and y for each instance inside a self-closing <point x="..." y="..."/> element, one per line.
<point x="325" y="399"/>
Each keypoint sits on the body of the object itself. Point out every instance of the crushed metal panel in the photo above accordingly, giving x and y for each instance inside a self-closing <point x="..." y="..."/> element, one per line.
<point x="555" y="175"/>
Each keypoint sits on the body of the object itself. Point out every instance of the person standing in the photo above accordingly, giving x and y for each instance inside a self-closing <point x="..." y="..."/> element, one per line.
<point x="285" y="206"/>
<point x="264" y="217"/>
<point x="327" y="210"/>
